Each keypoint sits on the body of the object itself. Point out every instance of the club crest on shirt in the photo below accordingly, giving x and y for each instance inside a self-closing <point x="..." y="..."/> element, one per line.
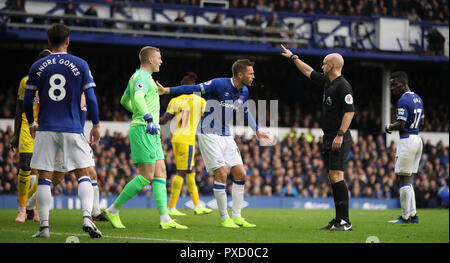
<point x="349" y="99"/>
<point x="140" y="86"/>
<point x="329" y="101"/>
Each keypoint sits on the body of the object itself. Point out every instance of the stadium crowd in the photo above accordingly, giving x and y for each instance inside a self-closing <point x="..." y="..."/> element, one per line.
<point x="293" y="167"/>
<point x="366" y="121"/>
<point x="416" y="10"/>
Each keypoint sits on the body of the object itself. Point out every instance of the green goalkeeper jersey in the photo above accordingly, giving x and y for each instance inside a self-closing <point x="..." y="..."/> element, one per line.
<point x="141" y="81"/>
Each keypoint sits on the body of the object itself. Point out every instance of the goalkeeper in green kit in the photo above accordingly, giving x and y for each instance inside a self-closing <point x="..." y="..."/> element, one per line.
<point x="142" y="99"/>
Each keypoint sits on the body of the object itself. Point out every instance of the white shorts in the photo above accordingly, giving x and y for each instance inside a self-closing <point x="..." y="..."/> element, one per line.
<point x="218" y="151"/>
<point x="61" y="151"/>
<point x="409" y="151"/>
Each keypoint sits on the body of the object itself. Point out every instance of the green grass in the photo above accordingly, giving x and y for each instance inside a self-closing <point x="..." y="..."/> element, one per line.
<point x="273" y="226"/>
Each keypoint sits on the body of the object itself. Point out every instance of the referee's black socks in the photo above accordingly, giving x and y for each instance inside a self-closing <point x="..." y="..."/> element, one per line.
<point x="340" y="195"/>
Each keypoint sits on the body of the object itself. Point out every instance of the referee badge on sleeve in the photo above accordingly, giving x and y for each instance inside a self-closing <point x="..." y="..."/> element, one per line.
<point x="349" y="99"/>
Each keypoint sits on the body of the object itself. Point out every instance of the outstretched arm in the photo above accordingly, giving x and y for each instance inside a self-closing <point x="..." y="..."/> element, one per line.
<point x="203" y="88"/>
<point x="302" y="66"/>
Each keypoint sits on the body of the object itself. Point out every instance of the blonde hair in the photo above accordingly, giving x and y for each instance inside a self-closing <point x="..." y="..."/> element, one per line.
<point x="146" y="52"/>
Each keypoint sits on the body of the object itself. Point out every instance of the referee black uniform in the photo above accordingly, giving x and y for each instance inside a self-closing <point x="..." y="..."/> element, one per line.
<point x="337" y="100"/>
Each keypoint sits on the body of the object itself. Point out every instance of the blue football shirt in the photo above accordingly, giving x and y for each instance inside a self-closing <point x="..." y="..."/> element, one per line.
<point x="60" y="79"/>
<point x="410" y="109"/>
<point x="223" y="101"/>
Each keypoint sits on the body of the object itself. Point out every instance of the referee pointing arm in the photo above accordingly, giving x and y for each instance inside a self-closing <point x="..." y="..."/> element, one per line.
<point x="337" y="114"/>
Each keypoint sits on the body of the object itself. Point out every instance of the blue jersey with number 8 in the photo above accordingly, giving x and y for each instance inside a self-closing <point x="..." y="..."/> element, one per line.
<point x="60" y="79"/>
<point x="410" y="109"/>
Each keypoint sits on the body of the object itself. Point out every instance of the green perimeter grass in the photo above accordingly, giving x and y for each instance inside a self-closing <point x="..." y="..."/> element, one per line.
<point x="273" y="226"/>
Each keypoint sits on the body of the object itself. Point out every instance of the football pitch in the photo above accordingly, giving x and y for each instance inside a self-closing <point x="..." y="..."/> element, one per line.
<point x="273" y="226"/>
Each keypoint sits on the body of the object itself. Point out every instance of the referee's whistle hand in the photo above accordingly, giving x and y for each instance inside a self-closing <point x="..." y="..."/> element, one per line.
<point x="337" y="143"/>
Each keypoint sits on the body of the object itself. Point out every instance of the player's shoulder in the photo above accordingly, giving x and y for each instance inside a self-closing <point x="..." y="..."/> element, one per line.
<point x="36" y="64"/>
<point x="24" y="79"/>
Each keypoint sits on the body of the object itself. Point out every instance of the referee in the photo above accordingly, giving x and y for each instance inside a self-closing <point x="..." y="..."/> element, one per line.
<point x="337" y="114"/>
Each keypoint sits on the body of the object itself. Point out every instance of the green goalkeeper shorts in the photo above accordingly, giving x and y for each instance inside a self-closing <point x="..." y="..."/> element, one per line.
<point x="145" y="148"/>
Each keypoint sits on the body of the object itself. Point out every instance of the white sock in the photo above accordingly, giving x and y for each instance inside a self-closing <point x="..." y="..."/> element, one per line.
<point x="221" y="199"/>
<point x="237" y="194"/>
<point x="405" y="200"/>
<point x="86" y="194"/>
<point x="31" y="202"/>
<point x="96" y="202"/>
<point x="44" y="199"/>
<point x="413" y="202"/>
<point x="165" y="218"/>
<point x="112" y="209"/>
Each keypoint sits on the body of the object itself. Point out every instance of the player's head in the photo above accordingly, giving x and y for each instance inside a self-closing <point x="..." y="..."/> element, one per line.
<point x="332" y="64"/>
<point x="189" y="79"/>
<point x="44" y="53"/>
<point x="151" y="57"/>
<point x="399" y="83"/>
<point x="58" y="35"/>
<point x="242" y="70"/>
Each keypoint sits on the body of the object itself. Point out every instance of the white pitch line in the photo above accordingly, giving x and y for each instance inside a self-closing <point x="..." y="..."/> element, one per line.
<point x="108" y="236"/>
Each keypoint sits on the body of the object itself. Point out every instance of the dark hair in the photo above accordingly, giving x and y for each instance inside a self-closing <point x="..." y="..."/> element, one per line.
<point x="44" y="53"/>
<point x="400" y="76"/>
<point x="57" y="34"/>
<point x="189" y="79"/>
<point x="241" y="65"/>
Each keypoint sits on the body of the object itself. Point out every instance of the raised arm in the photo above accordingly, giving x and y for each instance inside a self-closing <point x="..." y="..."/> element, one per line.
<point x="302" y="66"/>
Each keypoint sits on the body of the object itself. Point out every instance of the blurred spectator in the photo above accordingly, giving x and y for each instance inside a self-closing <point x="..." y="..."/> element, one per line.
<point x="18" y="7"/>
<point x="91" y="12"/>
<point x="282" y="5"/>
<point x="70" y="11"/>
<point x="273" y="26"/>
<point x="262" y="7"/>
<point x="256" y="22"/>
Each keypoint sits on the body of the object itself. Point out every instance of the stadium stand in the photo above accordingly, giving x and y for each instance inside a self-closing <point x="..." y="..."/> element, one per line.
<point x="294" y="166"/>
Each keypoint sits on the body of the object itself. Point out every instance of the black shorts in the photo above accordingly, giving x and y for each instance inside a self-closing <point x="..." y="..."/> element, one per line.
<point x="336" y="160"/>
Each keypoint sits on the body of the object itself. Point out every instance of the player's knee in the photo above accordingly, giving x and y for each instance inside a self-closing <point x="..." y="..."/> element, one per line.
<point x="24" y="167"/>
<point x="92" y="174"/>
<point x="56" y="180"/>
<point x="335" y="176"/>
<point x="403" y="179"/>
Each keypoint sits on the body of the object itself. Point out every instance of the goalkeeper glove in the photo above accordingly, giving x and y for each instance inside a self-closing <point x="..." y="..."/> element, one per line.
<point x="152" y="128"/>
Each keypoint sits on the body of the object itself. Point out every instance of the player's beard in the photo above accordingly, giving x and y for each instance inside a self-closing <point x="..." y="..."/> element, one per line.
<point x="247" y="83"/>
